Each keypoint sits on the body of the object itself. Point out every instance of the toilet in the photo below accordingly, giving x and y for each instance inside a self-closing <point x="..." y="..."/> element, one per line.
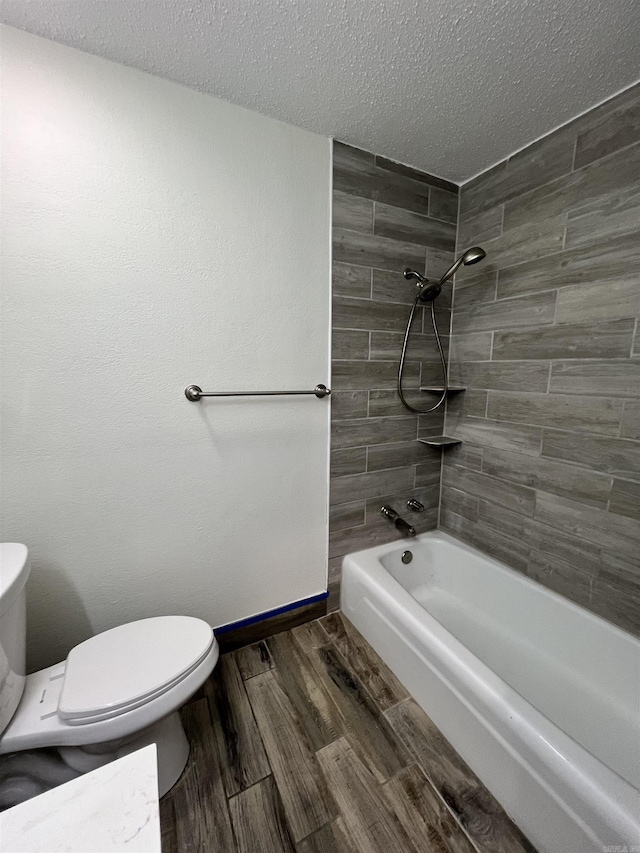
<point x="116" y="692"/>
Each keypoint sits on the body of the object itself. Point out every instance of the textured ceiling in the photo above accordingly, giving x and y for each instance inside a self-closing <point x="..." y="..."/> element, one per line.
<point x="449" y="86"/>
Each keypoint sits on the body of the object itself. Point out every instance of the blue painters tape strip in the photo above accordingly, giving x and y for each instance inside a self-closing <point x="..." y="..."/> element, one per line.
<point x="252" y="620"/>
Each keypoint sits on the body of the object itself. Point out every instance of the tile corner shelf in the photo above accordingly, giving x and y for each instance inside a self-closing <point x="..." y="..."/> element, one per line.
<point x="440" y="441"/>
<point x="438" y="389"/>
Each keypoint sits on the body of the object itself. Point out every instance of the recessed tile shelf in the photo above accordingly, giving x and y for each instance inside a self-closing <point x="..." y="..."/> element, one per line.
<point x="440" y="441"/>
<point x="438" y="389"/>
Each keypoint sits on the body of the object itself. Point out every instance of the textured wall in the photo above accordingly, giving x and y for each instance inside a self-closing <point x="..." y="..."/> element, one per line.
<point x="385" y="217"/>
<point x="154" y="237"/>
<point x="545" y="336"/>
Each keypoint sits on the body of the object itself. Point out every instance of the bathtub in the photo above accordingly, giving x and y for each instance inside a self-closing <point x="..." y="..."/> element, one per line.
<point x="539" y="696"/>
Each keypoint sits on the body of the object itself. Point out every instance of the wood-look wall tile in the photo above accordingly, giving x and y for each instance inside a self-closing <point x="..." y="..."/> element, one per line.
<point x="348" y="280"/>
<point x="423" y="814"/>
<point x="386" y="346"/>
<point x="486" y="225"/>
<point x="367" y="431"/>
<point x="597" y="378"/>
<point x="368" y="315"/>
<point x="353" y="539"/>
<point x="352" y="213"/>
<point x="381" y="683"/>
<point x="615" y="593"/>
<point x="308" y="804"/>
<point x="428" y="472"/>
<point x="611" y="261"/>
<point x="387" y="403"/>
<point x="524" y="243"/>
<point x="563" y="545"/>
<point x="348" y="157"/>
<point x="630" y="427"/>
<point x="242" y="758"/>
<point x="472" y="402"/>
<point x="460" y="502"/>
<point x="473" y="346"/>
<point x="396" y="455"/>
<point x="533" y="310"/>
<point x="625" y="499"/>
<point x="502" y="375"/>
<point x="392" y="286"/>
<point x="491" y="540"/>
<point x="594" y="415"/>
<point x="349" y="344"/>
<point x="607" y="530"/>
<point x="342" y="516"/>
<point x="617" y="456"/>
<point x="443" y="205"/>
<point x="613" y="129"/>
<point x="368" y="250"/>
<point x="409" y="227"/>
<point x="477" y="289"/>
<point x="371" y="484"/>
<point x="366" y="375"/>
<point x="562" y="577"/>
<point x="535" y="165"/>
<point x="481" y="485"/>
<point x="482" y="817"/>
<point x="574" y="188"/>
<point x="427" y="495"/>
<point x="415" y="174"/>
<point x="505" y="436"/>
<point x="609" y="339"/>
<point x="466" y="455"/>
<point x="259" y="822"/>
<point x="372" y="824"/>
<point x="438" y="263"/>
<point x="612" y="216"/>
<point x="380" y="185"/>
<point x="598" y="302"/>
<point x="552" y="476"/>
<point x="349" y="404"/>
<point x="351" y="460"/>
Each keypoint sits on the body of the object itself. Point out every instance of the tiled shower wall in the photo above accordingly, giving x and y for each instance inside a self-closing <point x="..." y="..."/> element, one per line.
<point x="385" y="217"/>
<point x="545" y="336"/>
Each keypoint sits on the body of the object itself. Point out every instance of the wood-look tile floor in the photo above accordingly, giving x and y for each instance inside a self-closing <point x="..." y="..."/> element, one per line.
<point x="307" y="743"/>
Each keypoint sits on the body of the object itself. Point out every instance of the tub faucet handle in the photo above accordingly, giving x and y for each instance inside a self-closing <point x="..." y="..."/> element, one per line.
<point x="415" y="505"/>
<point x="388" y="512"/>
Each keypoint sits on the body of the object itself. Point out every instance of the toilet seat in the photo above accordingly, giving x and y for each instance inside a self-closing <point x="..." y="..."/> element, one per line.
<point x="125" y="667"/>
<point x="38" y="723"/>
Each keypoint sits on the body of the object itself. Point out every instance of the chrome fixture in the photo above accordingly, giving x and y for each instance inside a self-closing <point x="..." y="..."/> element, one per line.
<point x="415" y="505"/>
<point x="403" y="526"/>
<point x="194" y="393"/>
<point x="407" y="556"/>
<point x="427" y="294"/>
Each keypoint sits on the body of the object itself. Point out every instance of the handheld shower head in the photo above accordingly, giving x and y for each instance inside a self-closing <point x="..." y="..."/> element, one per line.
<point x="471" y="256"/>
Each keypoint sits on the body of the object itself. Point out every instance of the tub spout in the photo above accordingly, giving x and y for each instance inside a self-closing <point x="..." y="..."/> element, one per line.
<point x="404" y="527"/>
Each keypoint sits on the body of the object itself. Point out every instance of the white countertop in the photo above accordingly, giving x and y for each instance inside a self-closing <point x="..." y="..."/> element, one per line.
<point x="112" y="808"/>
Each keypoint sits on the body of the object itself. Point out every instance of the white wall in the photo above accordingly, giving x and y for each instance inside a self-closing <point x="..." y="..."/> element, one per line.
<point x="154" y="237"/>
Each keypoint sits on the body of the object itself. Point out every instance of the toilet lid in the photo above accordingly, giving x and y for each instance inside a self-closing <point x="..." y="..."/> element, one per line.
<point x="120" y="669"/>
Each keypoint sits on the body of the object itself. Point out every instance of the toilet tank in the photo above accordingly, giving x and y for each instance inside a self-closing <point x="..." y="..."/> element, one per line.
<point x="14" y="571"/>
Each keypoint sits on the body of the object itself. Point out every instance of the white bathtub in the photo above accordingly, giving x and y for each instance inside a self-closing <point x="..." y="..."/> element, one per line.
<point x="539" y="696"/>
